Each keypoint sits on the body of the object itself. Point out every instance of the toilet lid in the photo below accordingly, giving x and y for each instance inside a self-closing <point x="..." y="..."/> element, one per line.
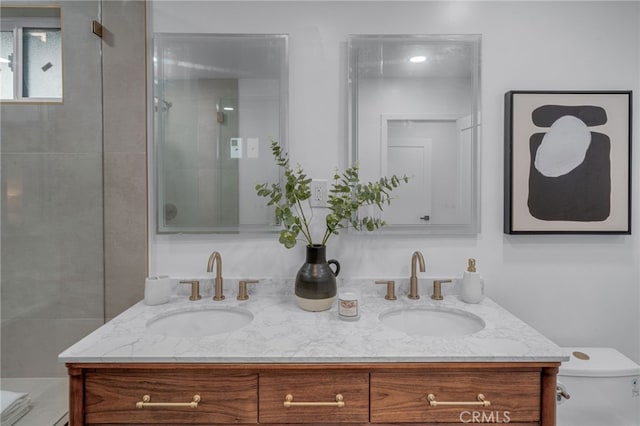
<point x="597" y="362"/>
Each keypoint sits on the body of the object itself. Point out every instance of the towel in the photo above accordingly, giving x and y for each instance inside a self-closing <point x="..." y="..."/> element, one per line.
<point x="14" y="406"/>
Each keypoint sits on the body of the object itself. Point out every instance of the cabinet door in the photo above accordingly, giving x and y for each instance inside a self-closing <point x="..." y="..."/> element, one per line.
<point x="314" y="397"/>
<point x="112" y="396"/>
<point x="512" y="397"/>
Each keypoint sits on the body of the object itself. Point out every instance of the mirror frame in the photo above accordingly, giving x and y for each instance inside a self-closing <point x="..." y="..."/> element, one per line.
<point x="474" y="40"/>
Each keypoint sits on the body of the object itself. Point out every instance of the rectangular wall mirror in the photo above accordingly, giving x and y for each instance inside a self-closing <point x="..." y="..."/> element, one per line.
<point x="219" y="100"/>
<point x="414" y="109"/>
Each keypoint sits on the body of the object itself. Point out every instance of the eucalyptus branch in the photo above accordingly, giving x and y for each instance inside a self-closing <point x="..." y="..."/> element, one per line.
<point x="305" y="229"/>
<point x="347" y="195"/>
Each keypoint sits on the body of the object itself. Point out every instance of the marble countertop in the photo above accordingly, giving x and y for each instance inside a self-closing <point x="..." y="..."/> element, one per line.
<point x="283" y="333"/>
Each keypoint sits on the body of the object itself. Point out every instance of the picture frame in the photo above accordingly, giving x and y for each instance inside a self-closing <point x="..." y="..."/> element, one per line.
<point x="567" y="162"/>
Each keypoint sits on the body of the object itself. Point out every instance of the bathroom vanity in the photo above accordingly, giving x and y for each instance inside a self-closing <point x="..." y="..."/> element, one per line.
<point x="290" y="366"/>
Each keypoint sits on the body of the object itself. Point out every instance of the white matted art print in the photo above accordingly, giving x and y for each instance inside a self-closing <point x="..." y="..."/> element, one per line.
<point x="567" y="162"/>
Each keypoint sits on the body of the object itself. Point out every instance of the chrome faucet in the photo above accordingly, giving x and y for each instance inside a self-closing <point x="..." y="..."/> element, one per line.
<point x="413" y="280"/>
<point x="218" y="289"/>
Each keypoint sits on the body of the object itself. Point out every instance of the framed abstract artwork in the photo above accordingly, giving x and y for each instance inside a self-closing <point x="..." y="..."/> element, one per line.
<point x="567" y="162"/>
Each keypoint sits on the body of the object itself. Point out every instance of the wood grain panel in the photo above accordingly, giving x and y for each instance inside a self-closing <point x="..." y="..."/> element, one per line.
<point x="363" y="424"/>
<point x="76" y="396"/>
<point x="314" y="387"/>
<point x="106" y="393"/>
<point x="111" y="396"/>
<point x="514" y="397"/>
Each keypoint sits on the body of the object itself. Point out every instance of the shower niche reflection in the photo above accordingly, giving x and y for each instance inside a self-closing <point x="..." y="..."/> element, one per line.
<point x="219" y="100"/>
<point x="414" y="109"/>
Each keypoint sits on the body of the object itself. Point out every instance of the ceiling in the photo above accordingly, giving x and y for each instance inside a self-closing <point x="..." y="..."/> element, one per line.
<point x="199" y="56"/>
<point x="378" y="58"/>
<point x="220" y="56"/>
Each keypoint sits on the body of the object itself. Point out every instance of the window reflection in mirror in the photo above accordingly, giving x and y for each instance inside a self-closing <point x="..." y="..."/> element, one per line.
<point x="30" y="54"/>
<point x="219" y="100"/>
<point x="414" y="110"/>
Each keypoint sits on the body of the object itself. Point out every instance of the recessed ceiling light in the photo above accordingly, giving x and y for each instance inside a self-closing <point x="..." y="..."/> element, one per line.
<point x="228" y="108"/>
<point x="417" y="59"/>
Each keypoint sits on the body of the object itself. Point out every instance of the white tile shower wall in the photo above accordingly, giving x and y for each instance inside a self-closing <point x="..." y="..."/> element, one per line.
<point x="577" y="290"/>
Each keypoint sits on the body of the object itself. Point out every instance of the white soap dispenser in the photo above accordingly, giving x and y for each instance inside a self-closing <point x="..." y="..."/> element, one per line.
<point x="472" y="287"/>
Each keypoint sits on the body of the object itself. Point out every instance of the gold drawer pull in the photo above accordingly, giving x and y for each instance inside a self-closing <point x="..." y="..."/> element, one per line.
<point x="288" y="402"/>
<point x="480" y="401"/>
<point x="146" y="398"/>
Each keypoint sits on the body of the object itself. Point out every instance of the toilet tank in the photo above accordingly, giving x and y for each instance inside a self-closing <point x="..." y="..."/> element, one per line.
<point x="604" y="389"/>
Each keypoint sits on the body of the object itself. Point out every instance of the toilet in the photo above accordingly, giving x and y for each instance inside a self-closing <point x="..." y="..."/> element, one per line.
<point x="603" y="387"/>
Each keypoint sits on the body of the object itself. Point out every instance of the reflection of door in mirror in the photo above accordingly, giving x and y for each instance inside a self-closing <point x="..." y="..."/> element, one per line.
<point x="438" y="192"/>
<point x="408" y="151"/>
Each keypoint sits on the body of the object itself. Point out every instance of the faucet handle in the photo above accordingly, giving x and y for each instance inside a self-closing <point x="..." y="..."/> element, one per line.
<point x="391" y="289"/>
<point x="195" y="289"/>
<point x="437" y="289"/>
<point x="242" y="289"/>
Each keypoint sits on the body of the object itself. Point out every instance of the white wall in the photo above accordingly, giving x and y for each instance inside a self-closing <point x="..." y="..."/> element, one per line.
<point x="577" y="290"/>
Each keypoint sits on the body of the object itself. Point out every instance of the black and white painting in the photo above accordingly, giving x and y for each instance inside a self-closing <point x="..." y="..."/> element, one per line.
<point x="567" y="162"/>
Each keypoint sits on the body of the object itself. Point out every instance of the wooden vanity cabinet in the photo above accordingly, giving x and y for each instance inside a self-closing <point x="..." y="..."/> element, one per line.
<point x="458" y="397"/>
<point x="310" y="388"/>
<point x="113" y="396"/>
<point x="520" y="394"/>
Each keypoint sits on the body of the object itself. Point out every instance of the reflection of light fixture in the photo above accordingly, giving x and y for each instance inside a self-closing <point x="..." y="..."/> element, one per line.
<point x="4" y="61"/>
<point x="417" y="59"/>
<point x="228" y="108"/>
<point x="15" y="211"/>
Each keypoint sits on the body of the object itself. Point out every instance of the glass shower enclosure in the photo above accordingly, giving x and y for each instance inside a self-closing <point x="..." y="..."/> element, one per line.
<point x="51" y="215"/>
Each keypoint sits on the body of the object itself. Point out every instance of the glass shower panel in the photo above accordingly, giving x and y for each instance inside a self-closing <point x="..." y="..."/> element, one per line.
<point x="51" y="183"/>
<point x="197" y="120"/>
<point x="231" y="147"/>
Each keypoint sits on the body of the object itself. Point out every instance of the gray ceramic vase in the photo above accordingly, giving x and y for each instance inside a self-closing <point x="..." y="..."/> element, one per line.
<point x="316" y="282"/>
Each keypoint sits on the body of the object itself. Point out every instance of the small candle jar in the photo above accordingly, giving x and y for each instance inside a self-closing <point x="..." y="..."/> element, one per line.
<point x="348" y="308"/>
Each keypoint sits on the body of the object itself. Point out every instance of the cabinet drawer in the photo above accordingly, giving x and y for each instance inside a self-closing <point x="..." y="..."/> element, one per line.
<point x="111" y="396"/>
<point x="513" y="396"/>
<point x="308" y="389"/>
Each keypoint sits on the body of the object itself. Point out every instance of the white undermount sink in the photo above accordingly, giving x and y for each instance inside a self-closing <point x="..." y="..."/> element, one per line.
<point x="200" y="322"/>
<point x="433" y="321"/>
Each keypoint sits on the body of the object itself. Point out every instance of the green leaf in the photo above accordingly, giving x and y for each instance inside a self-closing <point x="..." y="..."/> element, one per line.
<point x="346" y="196"/>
